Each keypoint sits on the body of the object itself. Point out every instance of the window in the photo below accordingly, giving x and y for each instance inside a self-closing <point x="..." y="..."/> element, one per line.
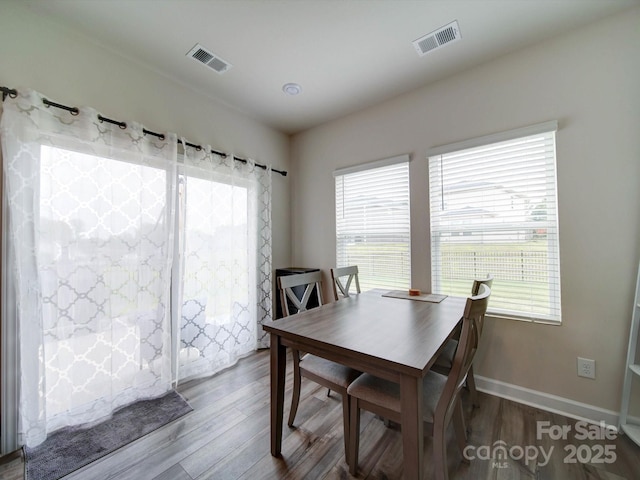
<point x="372" y="222"/>
<point x="494" y="211"/>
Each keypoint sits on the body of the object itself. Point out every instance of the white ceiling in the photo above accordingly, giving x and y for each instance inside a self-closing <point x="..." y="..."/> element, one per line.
<point x="346" y="54"/>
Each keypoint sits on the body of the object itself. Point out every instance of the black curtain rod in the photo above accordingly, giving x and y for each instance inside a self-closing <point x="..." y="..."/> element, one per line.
<point x="10" y="92"/>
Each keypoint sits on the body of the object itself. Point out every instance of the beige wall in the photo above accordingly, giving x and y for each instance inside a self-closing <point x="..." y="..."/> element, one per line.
<point x="589" y="81"/>
<point x="72" y="70"/>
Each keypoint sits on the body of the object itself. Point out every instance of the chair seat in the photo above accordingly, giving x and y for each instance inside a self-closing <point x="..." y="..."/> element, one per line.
<point x="331" y="371"/>
<point x="445" y="359"/>
<point x="387" y="394"/>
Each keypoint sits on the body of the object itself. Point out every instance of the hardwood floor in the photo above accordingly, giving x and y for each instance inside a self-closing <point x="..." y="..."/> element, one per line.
<point x="227" y="437"/>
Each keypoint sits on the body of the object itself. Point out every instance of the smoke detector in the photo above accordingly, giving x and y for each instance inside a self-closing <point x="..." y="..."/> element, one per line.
<point x="438" y="38"/>
<point x="292" y="89"/>
<point x="204" y="56"/>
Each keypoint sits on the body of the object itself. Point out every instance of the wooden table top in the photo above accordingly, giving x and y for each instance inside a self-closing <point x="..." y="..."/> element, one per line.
<point x="400" y="335"/>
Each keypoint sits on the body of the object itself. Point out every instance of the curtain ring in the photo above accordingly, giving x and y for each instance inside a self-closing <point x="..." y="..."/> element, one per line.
<point x="72" y="110"/>
<point x="102" y="119"/>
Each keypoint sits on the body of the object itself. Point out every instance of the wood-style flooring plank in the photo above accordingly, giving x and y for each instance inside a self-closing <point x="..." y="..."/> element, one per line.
<point x="224" y="443"/>
<point x="12" y="466"/>
<point x="174" y="473"/>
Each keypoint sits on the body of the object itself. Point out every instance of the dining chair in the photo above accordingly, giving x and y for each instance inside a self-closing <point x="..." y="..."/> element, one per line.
<point x="444" y="361"/>
<point x="441" y="393"/>
<point x="289" y="284"/>
<point x="332" y="375"/>
<point x="341" y="289"/>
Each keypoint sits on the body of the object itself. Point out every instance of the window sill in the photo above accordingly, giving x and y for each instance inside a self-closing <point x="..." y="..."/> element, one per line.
<point x="505" y="316"/>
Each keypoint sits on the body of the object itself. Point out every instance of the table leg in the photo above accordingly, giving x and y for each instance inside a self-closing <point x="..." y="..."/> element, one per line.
<point x="412" y="427"/>
<point x="278" y="373"/>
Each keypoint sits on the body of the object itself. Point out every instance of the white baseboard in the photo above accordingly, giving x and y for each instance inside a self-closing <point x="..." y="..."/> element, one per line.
<point x="545" y="401"/>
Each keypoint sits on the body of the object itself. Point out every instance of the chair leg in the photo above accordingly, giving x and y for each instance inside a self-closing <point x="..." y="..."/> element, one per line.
<point x="345" y="424"/>
<point x="460" y="430"/>
<point x="295" y="398"/>
<point x="354" y="435"/>
<point x="471" y="383"/>
<point x="440" y="452"/>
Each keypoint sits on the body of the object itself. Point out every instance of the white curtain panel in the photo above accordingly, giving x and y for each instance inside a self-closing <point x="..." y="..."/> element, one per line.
<point x="226" y="260"/>
<point x="91" y="237"/>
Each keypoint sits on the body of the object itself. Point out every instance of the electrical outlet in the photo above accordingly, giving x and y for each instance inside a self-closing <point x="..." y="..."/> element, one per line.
<point x="586" y="367"/>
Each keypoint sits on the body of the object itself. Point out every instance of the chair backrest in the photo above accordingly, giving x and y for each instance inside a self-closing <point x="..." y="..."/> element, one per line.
<point x="340" y="288"/>
<point x="312" y="282"/>
<point x="481" y="281"/>
<point x="474" y="291"/>
<point x="474" y="312"/>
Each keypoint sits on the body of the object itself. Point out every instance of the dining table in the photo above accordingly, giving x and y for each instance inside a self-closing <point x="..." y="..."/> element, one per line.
<point x="397" y="339"/>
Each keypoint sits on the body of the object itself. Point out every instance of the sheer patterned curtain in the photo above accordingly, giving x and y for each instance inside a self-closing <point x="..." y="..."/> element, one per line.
<point x="91" y="226"/>
<point x="226" y="263"/>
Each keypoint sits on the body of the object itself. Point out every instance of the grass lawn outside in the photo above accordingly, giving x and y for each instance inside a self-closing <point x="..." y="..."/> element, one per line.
<point x="520" y="270"/>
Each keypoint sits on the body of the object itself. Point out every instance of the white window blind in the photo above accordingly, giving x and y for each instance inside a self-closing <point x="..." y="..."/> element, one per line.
<point x="373" y="224"/>
<point x="494" y="211"/>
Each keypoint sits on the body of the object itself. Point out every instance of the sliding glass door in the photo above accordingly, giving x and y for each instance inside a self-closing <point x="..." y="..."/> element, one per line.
<point x="219" y="276"/>
<point x="129" y="268"/>
<point x="103" y="251"/>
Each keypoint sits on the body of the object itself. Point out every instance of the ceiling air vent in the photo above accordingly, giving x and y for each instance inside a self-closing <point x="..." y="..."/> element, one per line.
<point x="202" y="55"/>
<point x="438" y="38"/>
